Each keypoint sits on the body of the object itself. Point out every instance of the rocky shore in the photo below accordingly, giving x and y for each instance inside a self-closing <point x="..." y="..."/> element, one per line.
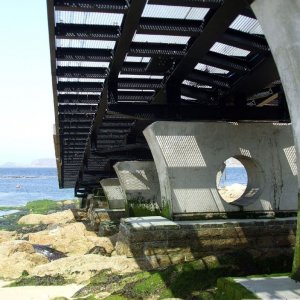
<point x="58" y="244"/>
<point x="59" y="253"/>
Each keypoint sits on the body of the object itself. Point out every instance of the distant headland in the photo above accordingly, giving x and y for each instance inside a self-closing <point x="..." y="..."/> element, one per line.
<point x="38" y="163"/>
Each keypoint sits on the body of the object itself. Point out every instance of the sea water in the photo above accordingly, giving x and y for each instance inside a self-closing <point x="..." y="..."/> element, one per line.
<point x="20" y="185"/>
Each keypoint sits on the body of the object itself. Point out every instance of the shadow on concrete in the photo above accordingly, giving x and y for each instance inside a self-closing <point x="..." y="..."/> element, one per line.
<point x="189" y="256"/>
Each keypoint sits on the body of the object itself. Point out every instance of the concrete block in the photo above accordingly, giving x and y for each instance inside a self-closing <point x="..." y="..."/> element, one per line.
<point x="149" y="223"/>
<point x="189" y="155"/>
<point x="139" y="182"/>
<point x="113" y="192"/>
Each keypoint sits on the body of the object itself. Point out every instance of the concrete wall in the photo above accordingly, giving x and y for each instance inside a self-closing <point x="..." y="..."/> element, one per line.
<point x="139" y="182"/>
<point x="113" y="192"/>
<point x="283" y="18"/>
<point x="280" y="21"/>
<point x="188" y="156"/>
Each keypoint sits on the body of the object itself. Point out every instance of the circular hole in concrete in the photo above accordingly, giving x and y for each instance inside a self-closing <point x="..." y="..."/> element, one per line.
<point x="240" y="180"/>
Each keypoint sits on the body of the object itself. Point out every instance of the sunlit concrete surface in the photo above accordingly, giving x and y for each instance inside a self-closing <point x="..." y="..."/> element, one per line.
<point x="272" y="288"/>
<point x="139" y="181"/>
<point x="150" y="223"/>
<point x="113" y="192"/>
<point x="189" y="155"/>
<point x="282" y="18"/>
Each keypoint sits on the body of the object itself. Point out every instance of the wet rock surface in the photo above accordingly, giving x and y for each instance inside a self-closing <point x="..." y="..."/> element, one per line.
<point x="48" y="252"/>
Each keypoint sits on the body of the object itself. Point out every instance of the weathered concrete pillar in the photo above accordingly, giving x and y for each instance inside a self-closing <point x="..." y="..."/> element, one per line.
<point x="280" y="21"/>
<point x="113" y="192"/>
<point x="139" y="181"/>
<point x="190" y="155"/>
<point x="89" y="199"/>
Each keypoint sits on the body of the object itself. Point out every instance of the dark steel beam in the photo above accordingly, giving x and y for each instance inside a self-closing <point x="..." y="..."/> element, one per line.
<point x="135" y="96"/>
<point x="73" y="108"/>
<point x="156" y="49"/>
<point x="78" y="98"/>
<point x="51" y="30"/>
<point x="131" y="83"/>
<point x="81" y="72"/>
<point x="104" y="6"/>
<point x="256" y="80"/>
<point x="200" y="112"/>
<point x="75" y="123"/>
<point x="225" y="62"/>
<point x="94" y="173"/>
<point x="190" y="3"/>
<point x="78" y="135"/>
<point x="87" y="32"/>
<point x="113" y="131"/>
<point x="215" y="27"/>
<point x="75" y="131"/>
<point x="129" y="26"/>
<point x="245" y="40"/>
<point x="204" y="95"/>
<point x="107" y="138"/>
<point x="65" y="86"/>
<point x="75" y="147"/>
<point x="67" y="127"/>
<point x="116" y="119"/>
<point x="108" y="124"/>
<point x="84" y="54"/>
<point x="111" y="143"/>
<point x="74" y="142"/>
<point x="165" y="26"/>
<point x="75" y="118"/>
<point x="134" y="67"/>
<point x="77" y="115"/>
<point x="209" y="79"/>
<point x="105" y="55"/>
<point x="124" y="148"/>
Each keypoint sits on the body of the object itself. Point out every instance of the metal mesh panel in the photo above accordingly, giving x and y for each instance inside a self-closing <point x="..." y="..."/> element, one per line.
<point x="210" y="69"/>
<point x="90" y="18"/>
<point x="246" y="24"/>
<point x="174" y="12"/>
<point x="165" y="39"/>
<point x="228" y="50"/>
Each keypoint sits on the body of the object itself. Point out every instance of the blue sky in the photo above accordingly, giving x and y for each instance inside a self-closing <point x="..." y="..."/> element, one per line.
<point x="26" y="111"/>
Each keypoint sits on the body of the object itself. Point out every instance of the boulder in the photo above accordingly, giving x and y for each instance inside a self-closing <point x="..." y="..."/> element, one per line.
<point x="68" y="202"/>
<point x="80" y="215"/>
<point x="72" y="239"/>
<point x="81" y="268"/>
<point x="61" y="217"/>
<point x="10" y="247"/>
<point x="17" y="256"/>
<point x="7" y="236"/>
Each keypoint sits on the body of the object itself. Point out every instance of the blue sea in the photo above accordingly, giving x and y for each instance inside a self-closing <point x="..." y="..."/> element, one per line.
<point x="20" y="185"/>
